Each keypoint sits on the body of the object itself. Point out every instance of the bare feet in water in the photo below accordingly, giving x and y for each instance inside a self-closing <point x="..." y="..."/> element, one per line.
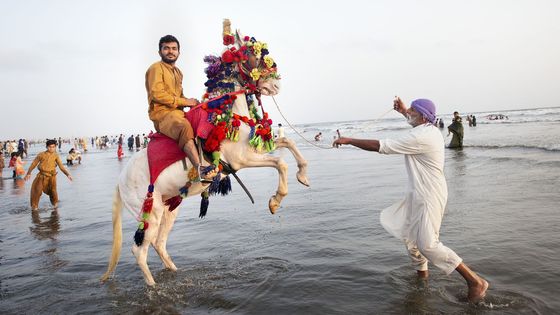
<point x="477" y="290"/>
<point x="422" y="274"/>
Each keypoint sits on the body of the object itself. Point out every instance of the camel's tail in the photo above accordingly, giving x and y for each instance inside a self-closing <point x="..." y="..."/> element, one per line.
<point x="117" y="234"/>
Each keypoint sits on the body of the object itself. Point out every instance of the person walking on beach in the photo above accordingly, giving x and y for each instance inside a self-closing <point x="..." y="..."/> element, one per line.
<point x="2" y="163"/>
<point x="167" y="101"/>
<point x="417" y="219"/>
<point x="456" y="128"/>
<point x="18" y="166"/>
<point x="280" y="132"/>
<point x="137" y="142"/>
<point x="130" y="142"/>
<point x="45" y="181"/>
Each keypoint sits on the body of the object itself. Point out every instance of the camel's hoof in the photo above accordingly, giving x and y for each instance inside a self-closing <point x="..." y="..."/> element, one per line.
<point x="273" y="205"/>
<point x="302" y="179"/>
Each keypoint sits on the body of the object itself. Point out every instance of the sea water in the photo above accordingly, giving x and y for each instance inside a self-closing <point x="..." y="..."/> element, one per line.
<point x="323" y="252"/>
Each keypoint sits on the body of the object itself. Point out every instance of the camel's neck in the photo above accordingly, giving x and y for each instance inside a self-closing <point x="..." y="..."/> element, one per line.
<point x="240" y="106"/>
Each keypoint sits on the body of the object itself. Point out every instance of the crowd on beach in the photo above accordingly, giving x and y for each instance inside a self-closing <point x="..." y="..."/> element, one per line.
<point x="14" y="154"/>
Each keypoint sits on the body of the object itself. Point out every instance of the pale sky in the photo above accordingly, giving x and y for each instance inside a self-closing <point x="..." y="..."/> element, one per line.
<point x="76" y="68"/>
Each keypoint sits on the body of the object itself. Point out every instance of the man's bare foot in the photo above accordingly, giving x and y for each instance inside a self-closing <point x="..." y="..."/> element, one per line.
<point x="477" y="291"/>
<point x="422" y="274"/>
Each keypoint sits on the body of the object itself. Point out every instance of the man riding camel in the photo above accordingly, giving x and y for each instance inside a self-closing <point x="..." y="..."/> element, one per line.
<point x="166" y="101"/>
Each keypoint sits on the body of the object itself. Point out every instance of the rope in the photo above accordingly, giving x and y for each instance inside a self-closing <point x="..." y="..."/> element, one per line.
<point x="301" y="136"/>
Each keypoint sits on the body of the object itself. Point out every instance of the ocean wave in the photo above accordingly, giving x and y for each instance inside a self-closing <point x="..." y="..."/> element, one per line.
<point x="551" y="148"/>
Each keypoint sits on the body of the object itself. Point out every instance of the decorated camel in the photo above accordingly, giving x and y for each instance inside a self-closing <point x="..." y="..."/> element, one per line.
<point x="234" y="133"/>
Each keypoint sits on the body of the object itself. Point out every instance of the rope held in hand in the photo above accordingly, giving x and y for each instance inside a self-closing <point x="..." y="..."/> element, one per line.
<point x="301" y="136"/>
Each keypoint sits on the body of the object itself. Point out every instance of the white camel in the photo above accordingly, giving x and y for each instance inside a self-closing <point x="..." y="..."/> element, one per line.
<point x="131" y="189"/>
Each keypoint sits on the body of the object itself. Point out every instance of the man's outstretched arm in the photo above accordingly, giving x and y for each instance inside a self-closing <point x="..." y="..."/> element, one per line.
<point x="365" y="144"/>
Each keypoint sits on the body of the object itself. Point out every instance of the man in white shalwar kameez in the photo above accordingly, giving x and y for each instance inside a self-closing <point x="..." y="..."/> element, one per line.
<point x="417" y="219"/>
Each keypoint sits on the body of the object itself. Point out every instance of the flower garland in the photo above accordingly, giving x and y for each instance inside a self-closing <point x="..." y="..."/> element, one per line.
<point x="221" y="73"/>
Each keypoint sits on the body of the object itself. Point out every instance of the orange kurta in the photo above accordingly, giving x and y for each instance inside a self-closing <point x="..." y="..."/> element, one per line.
<point x="166" y="101"/>
<point x="45" y="181"/>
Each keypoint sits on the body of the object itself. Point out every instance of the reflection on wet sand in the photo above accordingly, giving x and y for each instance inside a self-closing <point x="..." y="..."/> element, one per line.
<point x="18" y="187"/>
<point x="47" y="229"/>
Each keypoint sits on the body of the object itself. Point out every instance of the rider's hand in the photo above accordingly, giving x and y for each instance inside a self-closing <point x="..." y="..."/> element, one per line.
<point x="70" y="177"/>
<point x="192" y="102"/>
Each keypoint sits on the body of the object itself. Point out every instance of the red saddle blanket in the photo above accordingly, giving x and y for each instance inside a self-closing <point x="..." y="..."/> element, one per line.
<point x="162" y="152"/>
<point x="198" y="118"/>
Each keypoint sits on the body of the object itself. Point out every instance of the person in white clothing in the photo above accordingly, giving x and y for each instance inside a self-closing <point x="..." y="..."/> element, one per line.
<point x="280" y="131"/>
<point x="417" y="219"/>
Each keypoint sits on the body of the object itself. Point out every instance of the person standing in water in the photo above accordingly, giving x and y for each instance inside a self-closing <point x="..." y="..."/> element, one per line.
<point x="456" y="128"/>
<point x="45" y="181"/>
<point x="417" y="219"/>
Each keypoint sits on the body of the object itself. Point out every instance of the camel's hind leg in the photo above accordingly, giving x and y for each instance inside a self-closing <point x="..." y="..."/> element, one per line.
<point x="160" y="243"/>
<point x="150" y="235"/>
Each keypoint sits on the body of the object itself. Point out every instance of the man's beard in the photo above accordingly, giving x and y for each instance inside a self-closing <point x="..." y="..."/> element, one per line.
<point x="167" y="60"/>
<point x="413" y="121"/>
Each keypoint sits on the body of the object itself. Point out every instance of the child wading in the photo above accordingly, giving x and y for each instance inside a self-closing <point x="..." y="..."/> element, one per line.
<point x="45" y="181"/>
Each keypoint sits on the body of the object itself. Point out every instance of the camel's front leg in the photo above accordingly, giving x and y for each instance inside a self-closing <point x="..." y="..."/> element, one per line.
<point x="301" y="162"/>
<point x="259" y="160"/>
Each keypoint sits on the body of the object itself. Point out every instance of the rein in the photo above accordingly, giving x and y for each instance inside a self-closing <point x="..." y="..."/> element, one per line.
<point x="242" y="91"/>
<point x="301" y="136"/>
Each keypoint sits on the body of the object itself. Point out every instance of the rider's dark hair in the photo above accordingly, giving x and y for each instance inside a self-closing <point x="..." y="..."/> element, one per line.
<point x="168" y="39"/>
<point x="51" y="141"/>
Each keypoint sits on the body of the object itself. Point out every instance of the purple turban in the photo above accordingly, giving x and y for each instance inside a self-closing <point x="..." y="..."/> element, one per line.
<point x="425" y="107"/>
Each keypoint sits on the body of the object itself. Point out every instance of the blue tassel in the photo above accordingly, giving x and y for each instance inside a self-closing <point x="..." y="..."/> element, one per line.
<point x="204" y="202"/>
<point x="139" y="237"/>
<point x="184" y="192"/>
<point x="252" y="132"/>
<point x="225" y="186"/>
<point x="215" y="185"/>
<point x="151" y="188"/>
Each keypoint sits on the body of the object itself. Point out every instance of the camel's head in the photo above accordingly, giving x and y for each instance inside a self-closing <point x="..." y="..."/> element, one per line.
<point x="250" y="58"/>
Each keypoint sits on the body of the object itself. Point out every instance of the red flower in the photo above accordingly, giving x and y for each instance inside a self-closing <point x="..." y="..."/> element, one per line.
<point x="246" y="38"/>
<point x="145" y="225"/>
<point x="229" y="40"/>
<point x="227" y="56"/>
<point x="216" y="136"/>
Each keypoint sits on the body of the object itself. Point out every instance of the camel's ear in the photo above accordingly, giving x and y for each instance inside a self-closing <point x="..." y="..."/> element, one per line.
<point x="226" y="27"/>
<point x="238" y="38"/>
